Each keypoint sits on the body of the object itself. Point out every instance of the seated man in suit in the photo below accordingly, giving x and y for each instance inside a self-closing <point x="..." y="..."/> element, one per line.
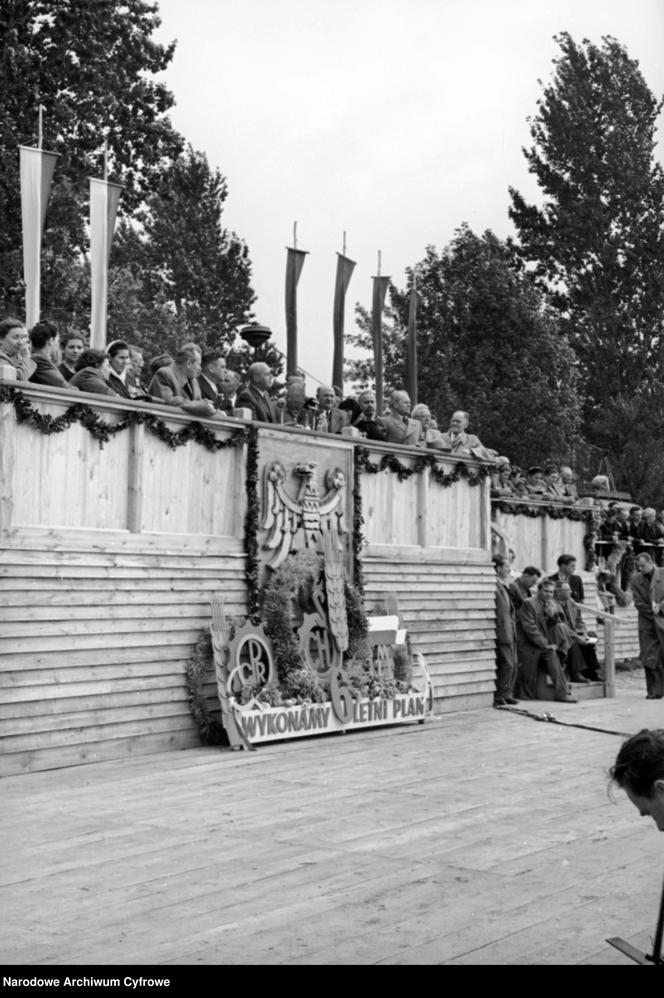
<point x="255" y="395"/>
<point x="459" y="441"/>
<point x="581" y="660"/>
<point x="177" y="384"/>
<point x="329" y="418"/>
<point x="401" y="429"/>
<point x="46" y="355"/>
<point x="535" y="645"/>
<point x="213" y="368"/>
<point x="430" y="435"/>
<point x="120" y="364"/>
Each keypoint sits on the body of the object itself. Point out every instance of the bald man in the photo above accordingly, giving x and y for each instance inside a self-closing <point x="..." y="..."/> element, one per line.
<point x="401" y="429"/>
<point x="255" y="396"/>
<point x="459" y="441"/>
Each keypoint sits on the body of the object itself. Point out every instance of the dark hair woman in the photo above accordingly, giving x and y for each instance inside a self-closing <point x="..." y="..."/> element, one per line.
<point x="92" y="371"/>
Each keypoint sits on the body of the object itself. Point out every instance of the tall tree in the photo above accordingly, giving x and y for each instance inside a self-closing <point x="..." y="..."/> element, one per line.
<point x="487" y="344"/>
<point x="597" y="243"/>
<point x="94" y="67"/>
<point x="188" y="276"/>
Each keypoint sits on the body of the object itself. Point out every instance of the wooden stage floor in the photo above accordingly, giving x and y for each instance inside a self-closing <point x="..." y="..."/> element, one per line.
<point x="478" y="838"/>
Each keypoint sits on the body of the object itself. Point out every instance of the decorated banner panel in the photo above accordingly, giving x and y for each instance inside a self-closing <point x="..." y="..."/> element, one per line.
<point x="104" y="200"/>
<point x="305" y="493"/>
<point x="37" y="167"/>
<point x="294" y="265"/>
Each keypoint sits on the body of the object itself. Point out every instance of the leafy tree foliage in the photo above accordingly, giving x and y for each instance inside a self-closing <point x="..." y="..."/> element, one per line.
<point x="180" y="274"/>
<point x="93" y="67"/>
<point x="488" y="344"/>
<point x="597" y="243"/>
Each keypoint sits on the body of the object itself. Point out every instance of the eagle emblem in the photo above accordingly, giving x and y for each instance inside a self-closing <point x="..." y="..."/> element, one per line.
<point x="284" y="516"/>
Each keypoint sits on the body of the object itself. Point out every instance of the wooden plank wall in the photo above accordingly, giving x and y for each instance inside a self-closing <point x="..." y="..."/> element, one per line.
<point x="448" y="607"/>
<point x="96" y="641"/>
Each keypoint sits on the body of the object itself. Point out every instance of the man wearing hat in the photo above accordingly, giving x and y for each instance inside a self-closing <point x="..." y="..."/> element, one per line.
<point x="501" y="478"/>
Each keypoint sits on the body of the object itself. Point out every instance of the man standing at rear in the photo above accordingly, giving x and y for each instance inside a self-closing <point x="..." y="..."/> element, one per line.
<point x="648" y="593"/>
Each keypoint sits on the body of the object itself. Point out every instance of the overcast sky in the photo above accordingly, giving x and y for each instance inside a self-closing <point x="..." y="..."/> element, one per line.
<point x="393" y="121"/>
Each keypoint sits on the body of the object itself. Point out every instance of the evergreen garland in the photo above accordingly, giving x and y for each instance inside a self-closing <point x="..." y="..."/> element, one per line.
<point x="252" y="563"/>
<point x="199" y="669"/>
<point x="554" y="511"/>
<point x="103" y="431"/>
<point x="391" y="463"/>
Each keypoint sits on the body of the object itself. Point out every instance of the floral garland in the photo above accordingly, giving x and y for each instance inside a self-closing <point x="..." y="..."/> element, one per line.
<point x="198" y="669"/>
<point x="390" y="462"/>
<point x="103" y="431"/>
<point x="358" y="523"/>
<point x="551" y="510"/>
<point x="252" y="561"/>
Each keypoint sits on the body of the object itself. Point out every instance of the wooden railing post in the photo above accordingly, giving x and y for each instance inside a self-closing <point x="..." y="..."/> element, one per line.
<point x="135" y="479"/>
<point x="609" y="656"/>
<point x="7" y="460"/>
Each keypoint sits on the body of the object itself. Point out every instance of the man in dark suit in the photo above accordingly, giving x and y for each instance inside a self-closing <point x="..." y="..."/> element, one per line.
<point x="213" y="369"/>
<point x="535" y="646"/>
<point x="255" y="396"/>
<point x="506" y="654"/>
<point x="401" y="429"/>
<point x="566" y="568"/>
<point x="363" y="415"/>
<point x="582" y="664"/>
<point x="648" y="593"/>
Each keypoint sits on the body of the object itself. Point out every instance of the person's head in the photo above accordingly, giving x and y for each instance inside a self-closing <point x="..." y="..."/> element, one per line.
<point x="639" y="771"/>
<point x="649" y="514"/>
<point x="400" y="403"/>
<point x="73" y="346"/>
<point x="545" y="590"/>
<point x="260" y="376"/>
<point x="44" y="339"/>
<point x="367" y="403"/>
<point x="188" y="360"/>
<point x="118" y="355"/>
<point x="645" y="564"/>
<point x="213" y="365"/>
<point x="163" y="360"/>
<point x="551" y="474"/>
<point x="535" y="474"/>
<point x="502" y="565"/>
<point x="459" y="421"/>
<point x="600" y="483"/>
<point x="566" y="475"/>
<point x="635" y="514"/>
<point x="326" y="397"/>
<point x="12" y="336"/>
<point x="136" y="360"/>
<point x="94" y="358"/>
<point x="563" y="592"/>
<point x="566" y="565"/>
<point x="422" y="414"/>
<point x="229" y="383"/>
<point x="530" y="575"/>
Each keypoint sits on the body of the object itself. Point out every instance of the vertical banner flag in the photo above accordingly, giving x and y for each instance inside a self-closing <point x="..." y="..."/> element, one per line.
<point x="37" y="168"/>
<point x="380" y="285"/>
<point x="294" y="264"/>
<point x="345" y="268"/>
<point x="411" y="347"/>
<point x="104" y="198"/>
